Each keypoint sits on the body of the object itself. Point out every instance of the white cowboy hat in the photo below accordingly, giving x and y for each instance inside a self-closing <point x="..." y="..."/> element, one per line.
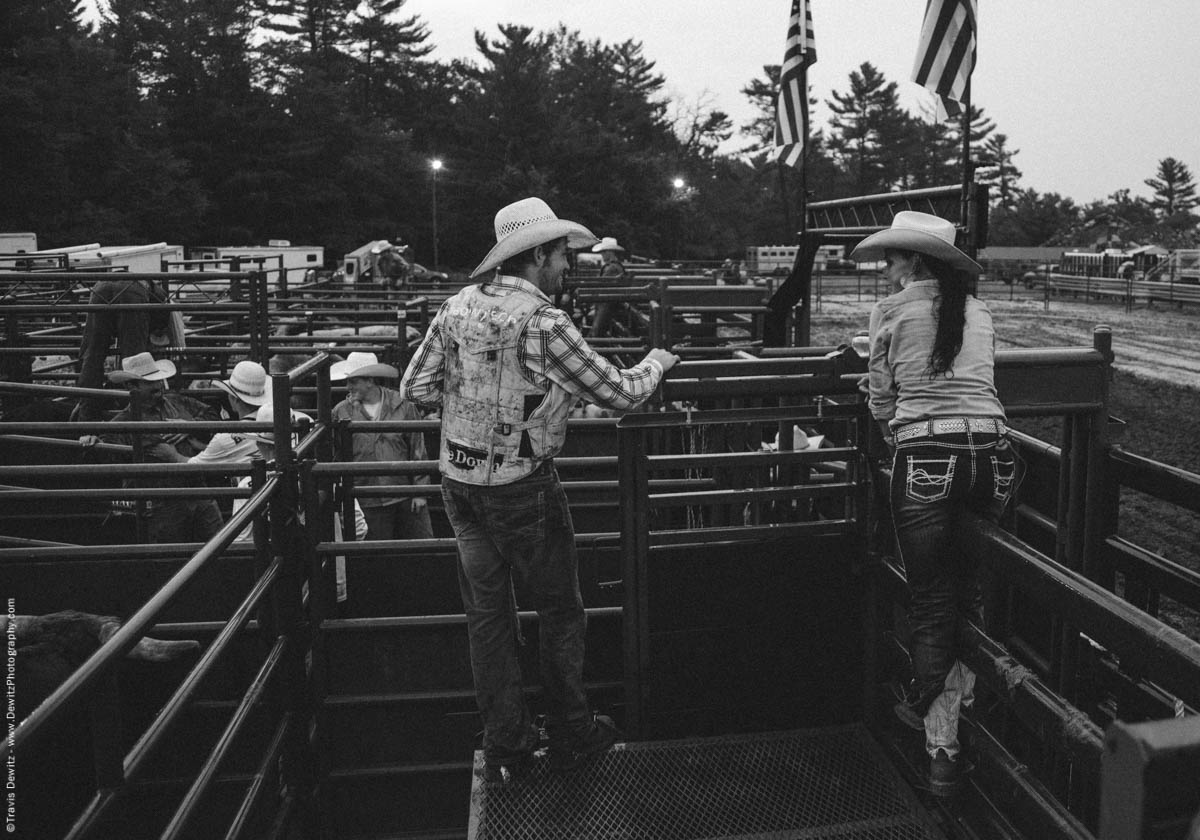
<point x="248" y="382"/>
<point x="525" y="224"/>
<point x="608" y="243"/>
<point x="361" y="364"/>
<point x="266" y="414"/>
<point x="920" y="232"/>
<point x="142" y="367"/>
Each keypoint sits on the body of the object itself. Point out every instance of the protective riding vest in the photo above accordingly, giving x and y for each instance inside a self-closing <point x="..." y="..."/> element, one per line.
<point x="497" y="426"/>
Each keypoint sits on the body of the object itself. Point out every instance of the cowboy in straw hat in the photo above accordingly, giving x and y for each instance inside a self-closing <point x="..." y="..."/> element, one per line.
<point x="249" y="384"/>
<point x="182" y="519"/>
<point x="611" y="271"/>
<point x="607" y="244"/>
<point x="360" y="366"/>
<point x="526" y="224"/>
<point x="931" y="386"/>
<point x="247" y="388"/>
<point x="388" y="517"/>
<point x="142" y="367"/>
<point x="505" y="367"/>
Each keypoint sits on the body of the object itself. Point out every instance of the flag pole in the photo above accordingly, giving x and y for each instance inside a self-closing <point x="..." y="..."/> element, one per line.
<point x="967" y="170"/>
<point x="783" y="198"/>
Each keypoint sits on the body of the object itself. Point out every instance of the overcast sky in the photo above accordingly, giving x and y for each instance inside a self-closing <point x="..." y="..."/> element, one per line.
<point x="1092" y="92"/>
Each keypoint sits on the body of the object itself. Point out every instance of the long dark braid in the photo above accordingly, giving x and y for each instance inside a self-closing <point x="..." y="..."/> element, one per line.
<point x="951" y="315"/>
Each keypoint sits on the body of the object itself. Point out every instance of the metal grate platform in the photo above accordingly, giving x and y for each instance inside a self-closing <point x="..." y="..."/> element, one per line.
<point x="821" y="783"/>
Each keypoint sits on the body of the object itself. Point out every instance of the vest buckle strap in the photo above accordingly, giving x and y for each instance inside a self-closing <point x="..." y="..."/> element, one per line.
<point x="503" y="429"/>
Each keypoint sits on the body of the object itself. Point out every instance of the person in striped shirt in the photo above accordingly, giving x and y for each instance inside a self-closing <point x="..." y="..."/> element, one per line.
<point x="505" y="367"/>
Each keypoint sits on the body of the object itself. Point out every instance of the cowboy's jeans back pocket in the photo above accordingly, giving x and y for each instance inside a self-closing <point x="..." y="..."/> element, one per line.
<point x="929" y="479"/>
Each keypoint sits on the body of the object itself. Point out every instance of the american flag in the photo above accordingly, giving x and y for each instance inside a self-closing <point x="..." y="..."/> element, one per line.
<point x="791" y="108"/>
<point x="946" y="53"/>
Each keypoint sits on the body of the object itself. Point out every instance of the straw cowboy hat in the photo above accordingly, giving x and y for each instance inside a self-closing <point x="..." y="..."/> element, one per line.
<point x="608" y="243"/>
<point x="266" y="414"/>
<point x="525" y="224"/>
<point x="920" y="232"/>
<point x="144" y="368"/>
<point x="248" y="382"/>
<point x="361" y="364"/>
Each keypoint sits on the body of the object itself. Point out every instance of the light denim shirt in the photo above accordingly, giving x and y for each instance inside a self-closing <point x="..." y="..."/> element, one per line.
<point x="903" y="329"/>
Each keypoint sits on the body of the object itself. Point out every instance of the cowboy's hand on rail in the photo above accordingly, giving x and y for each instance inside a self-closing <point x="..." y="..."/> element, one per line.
<point x="419" y="504"/>
<point x="88" y="441"/>
<point x="665" y="358"/>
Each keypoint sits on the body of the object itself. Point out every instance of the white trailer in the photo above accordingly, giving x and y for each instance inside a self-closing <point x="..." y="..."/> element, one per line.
<point x="277" y="255"/>
<point x="18" y="243"/>
<point x="363" y="260"/>
<point x="137" y="258"/>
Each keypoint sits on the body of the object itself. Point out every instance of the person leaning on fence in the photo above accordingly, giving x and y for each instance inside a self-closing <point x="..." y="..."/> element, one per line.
<point x="247" y="389"/>
<point x="932" y="390"/>
<point x="506" y="366"/>
<point x="168" y="519"/>
<point x="388" y="517"/>
<point x="612" y="271"/>
<point x="130" y="327"/>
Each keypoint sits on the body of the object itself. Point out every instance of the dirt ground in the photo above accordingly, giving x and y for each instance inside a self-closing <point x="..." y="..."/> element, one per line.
<point x="1160" y="343"/>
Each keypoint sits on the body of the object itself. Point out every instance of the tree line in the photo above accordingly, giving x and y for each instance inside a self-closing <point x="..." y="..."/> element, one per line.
<point x="234" y="121"/>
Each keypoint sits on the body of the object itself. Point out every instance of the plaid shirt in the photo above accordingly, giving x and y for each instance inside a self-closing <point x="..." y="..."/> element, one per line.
<point x="551" y="350"/>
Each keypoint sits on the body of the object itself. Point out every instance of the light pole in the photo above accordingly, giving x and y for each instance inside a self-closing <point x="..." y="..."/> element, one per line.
<point x="435" y="165"/>
<point x="680" y="186"/>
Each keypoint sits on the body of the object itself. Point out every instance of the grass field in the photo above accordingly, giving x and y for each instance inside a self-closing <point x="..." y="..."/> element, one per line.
<point x="1155" y="390"/>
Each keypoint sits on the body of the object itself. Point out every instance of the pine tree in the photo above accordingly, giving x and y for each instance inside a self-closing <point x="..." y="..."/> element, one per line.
<point x="861" y="117"/>
<point x="1001" y="174"/>
<point x="1174" y="188"/>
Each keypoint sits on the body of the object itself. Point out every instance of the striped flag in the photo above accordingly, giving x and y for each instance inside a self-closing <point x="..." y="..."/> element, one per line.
<point x="946" y="53"/>
<point x="791" y="108"/>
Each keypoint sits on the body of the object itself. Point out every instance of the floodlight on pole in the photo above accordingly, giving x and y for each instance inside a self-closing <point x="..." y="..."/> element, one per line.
<point x="436" y="166"/>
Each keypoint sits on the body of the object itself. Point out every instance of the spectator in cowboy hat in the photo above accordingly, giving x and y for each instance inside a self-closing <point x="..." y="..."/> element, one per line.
<point x="388" y="517"/>
<point x="612" y="272"/>
<point x="505" y="367"/>
<point x="246" y="390"/>
<point x="931" y="388"/>
<point x="170" y="519"/>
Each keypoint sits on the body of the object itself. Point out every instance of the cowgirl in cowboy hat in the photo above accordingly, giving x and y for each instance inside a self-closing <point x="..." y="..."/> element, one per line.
<point x="388" y="517"/>
<point x="505" y="367"/>
<point x="932" y="391"/>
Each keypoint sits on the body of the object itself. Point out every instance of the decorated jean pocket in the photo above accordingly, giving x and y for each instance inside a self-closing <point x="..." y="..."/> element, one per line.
<point x="1003" y="470"/>
<point x="929" y="479"/>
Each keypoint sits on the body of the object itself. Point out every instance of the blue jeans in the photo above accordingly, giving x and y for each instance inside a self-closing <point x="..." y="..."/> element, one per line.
<point x="398" y="522"/>
<point x="936" y="480"/>
<point x="520" y="536"/>
<point x="182" y="520"/>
